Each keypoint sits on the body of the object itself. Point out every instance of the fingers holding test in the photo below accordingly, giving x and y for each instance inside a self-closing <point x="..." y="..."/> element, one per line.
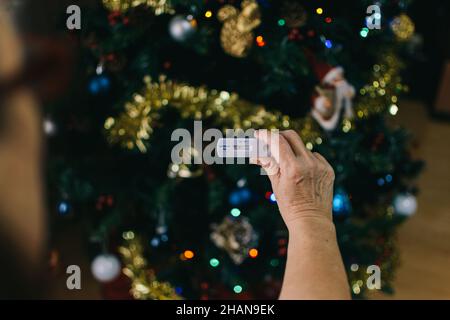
<point x="279" y="148"/>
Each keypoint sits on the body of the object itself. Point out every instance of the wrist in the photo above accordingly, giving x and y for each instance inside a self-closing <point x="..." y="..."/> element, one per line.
<point x="311" y="225"/>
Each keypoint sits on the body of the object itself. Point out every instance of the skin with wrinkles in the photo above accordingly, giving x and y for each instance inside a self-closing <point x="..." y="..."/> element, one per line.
<point x="303" y="185"/>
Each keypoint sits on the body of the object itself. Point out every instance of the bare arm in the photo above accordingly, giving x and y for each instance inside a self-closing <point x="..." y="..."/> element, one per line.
<point x="303" y="185"/>
<point x="21" y="201"/>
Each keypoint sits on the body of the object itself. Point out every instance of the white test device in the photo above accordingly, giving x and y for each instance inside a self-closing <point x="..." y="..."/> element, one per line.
<point x="241" y="148"/>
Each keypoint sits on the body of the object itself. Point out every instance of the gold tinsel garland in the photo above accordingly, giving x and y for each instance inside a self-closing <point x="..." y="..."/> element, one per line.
<point x="144" y="285"/>
<point x="158" y="6"/>
<point x="133" y="127"/>
<point x="227" y="110"/>
<point x="383" y="89"/>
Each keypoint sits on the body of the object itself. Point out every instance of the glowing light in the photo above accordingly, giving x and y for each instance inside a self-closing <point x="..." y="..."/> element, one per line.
<point x="328" y="44"/>
<point x="237" y="289"/>
<point x="128" y="235"/>
<point x="328" y="20"/>
<point x="260" y="41"/>
<point x="188" y="254"/>
<point x="309" y="146"/>
<point x="281" y="22"/>
<point x="253" y="253"/>
<point x="341" y="203"/>
<point x="154" y="242"/>
<point x="208" y="14"/>
<point x="272" y="198"/>
<point x="235" y="212"/>
<point x="319" y="10"/>
<point x="356" y="289"/>
<point x="393" y="109"/>
<point x="214" y="262"/>
<point x="364" y="32"/>
<point x="49" y="127"/>
<point x="63" y="208"/>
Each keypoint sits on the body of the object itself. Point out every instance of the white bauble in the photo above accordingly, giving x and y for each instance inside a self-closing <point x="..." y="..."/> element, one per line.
<point x="405" y="204"/>
<point x="105" y="267"/>
<point x="180" y="28"/>
<point x="49" y="127"/>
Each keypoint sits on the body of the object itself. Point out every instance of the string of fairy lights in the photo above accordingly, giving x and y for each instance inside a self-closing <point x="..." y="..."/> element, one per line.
<point x="133" y="128"/>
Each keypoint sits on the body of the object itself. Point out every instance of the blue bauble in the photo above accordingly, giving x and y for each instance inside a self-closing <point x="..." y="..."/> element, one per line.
<point x="94" y="86"/>
<point x="63" y="208"/>
<point x="341" y="204"/>
<point x="99" y="84"/>
<point x="240" y="196"/>
<point x="234" y="198"/>
<point x="246" y="195"/>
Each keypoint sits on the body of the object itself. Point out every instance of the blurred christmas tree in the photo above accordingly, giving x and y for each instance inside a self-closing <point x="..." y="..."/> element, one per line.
<point x="214" y="231"/>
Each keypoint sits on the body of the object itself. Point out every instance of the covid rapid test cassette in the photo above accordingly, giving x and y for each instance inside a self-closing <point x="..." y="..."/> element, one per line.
<point x="241" y="148"/>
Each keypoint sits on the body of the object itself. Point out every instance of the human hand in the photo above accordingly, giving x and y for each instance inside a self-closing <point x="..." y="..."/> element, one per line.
<point x="302" y="181"/>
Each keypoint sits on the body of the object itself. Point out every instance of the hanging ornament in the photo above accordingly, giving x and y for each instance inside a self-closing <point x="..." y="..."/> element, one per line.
<point x="241" y="182"/>
<point x="181" y="28"/>
<point x="237" y="32"/>
<point x="341" y="204"/>
<point x="64" y="208"/>
<point x="403" y="27"/>
<point x="294" y="14"/>
<point x="333" y="96"/>
<point x="236" y="236"/>
<point x="105" y="267"/>
<point x="99" y="84"/>
<point x="49" y="127"/>
<point x="158" y="6"/>
<point x="240" y="196"/>
<point x="405" y="204"/>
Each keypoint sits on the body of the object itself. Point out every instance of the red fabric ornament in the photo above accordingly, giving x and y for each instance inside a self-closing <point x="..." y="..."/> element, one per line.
<point x="333" y="95"/>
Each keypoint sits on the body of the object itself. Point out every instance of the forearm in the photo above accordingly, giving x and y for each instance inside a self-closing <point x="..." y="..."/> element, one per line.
<point x="314" y="267"/>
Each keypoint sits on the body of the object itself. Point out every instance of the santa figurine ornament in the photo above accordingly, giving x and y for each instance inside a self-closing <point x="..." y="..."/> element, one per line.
<point x="333" y="96"/>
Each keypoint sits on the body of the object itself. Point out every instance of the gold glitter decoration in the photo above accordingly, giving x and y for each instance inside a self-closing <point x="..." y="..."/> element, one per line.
<point x="144" y="284"/>
<point x="132" y="128"/>
<point x="158" y="6"/>
<point x="403" y="27"/>
<point x="383" y="88"/>
<point x="236" y="35"/>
